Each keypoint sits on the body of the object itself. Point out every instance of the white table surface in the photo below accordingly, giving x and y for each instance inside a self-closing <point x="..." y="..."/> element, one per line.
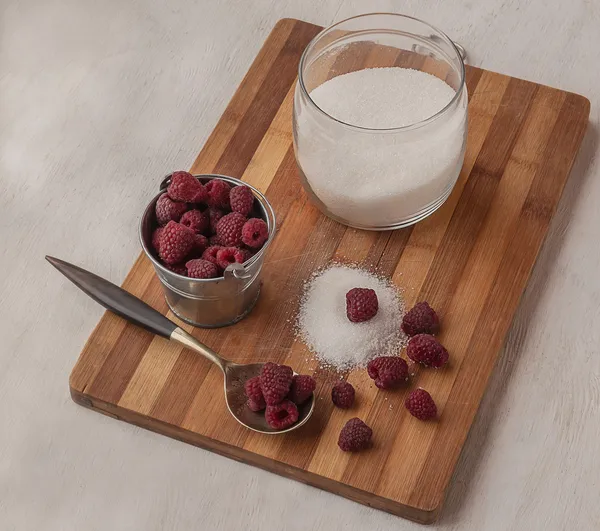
<point x="100" y="99"/>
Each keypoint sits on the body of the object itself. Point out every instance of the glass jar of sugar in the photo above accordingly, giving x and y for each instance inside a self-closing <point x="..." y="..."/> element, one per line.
<point x="380" y="120"/>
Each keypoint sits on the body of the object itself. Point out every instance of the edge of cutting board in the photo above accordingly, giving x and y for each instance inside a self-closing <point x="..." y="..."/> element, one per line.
<point x="422" y="516"/>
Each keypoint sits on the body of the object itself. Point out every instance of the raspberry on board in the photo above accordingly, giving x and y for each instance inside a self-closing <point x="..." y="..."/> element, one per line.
<point x="229" y="229"/>
<point x="355" y="436"/>
<point x="218" y="193"/>
<point x="229" y="255"/>
<point x="388" y="371"/>
<point x="361" y="304"/>
<point x="427" y="350"/>
<point x="168" y="210"/>
<point x="176" y="243"/>
<point x="342" y="395"/>
<point x="195" y="220"/>
<point x="199" y="268"/>
<point x="282" y="415"/>
<point x="241" y="199"/>
<point x="302" y="388"/>
<point x="275" y="382"/>
<point x="421" y="319"/>
<point x="420" y="405"/>
<point x="255" y="233"/>
<point x="185" y="187"/>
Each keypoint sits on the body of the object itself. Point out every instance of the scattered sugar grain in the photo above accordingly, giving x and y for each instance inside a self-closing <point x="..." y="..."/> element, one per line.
<point x="337" y="342"/>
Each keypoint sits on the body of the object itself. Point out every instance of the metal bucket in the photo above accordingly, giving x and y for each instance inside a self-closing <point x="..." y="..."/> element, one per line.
<point x="215" y="302"/>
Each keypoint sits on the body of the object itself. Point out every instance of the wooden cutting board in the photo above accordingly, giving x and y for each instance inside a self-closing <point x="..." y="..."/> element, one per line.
<point x="471" y="260"/>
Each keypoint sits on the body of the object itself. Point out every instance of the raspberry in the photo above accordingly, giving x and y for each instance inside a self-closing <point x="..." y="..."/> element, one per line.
<point x="200" y="244"/>
<point x="229" y="229"/>
<point x="195" y="220"/>
<point x="180" y="269"/>
<point x="361" y="304"/>
<point x="241" y="199"/>
<point x="255" y="233"/>
<point x="421" y="319"/>
<point x="156" y="239"/>
<point x="185" y="187"/>
<point x="210" y="254"/>
<point x="388" y="371"/>
<point x="201" y="269"/>
<point x="256" y="400"/>
<point x="275" y="382"/>
<point x="218" y="193"/>
<point x="420" y="404"/>
<point x="214" y="215"/>
<point x="281" y="416"/>
<point x="302" y="388"/>
<point x="229" y="255"/>
<point x="247" y="255"/>
<point x="255" y="406"/>
<point x="215" y="241"/>
<point x="176" y="242"/>
<point x="427" y="350"/>
<point x="168" y="210"/>
<point x="355" y="436"/>
<point x="342" y="395"/>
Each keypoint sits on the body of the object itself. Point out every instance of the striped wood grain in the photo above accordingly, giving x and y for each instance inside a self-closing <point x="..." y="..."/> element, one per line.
<point x="471" y="260"/>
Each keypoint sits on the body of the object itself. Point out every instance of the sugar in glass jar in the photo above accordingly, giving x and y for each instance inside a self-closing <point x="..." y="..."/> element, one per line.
<point x="380" y="120"/>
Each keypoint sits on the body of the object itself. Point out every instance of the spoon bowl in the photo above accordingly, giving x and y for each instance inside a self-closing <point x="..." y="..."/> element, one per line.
<point x="124" y="304"/>
<point x="235" y="377"/>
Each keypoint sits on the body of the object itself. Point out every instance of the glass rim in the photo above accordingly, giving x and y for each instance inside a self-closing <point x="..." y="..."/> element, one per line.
<point x="409" y="127"/>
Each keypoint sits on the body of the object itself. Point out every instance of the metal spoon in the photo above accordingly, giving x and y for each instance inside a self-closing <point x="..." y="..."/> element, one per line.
<point x="124" y="304"/>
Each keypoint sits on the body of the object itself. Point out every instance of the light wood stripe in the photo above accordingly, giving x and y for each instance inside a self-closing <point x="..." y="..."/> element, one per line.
<point x="273" y="148"/>
<point x="471" y="260"/>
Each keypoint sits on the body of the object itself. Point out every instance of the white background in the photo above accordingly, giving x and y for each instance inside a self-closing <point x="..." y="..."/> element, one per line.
<point x="98" y="100"/>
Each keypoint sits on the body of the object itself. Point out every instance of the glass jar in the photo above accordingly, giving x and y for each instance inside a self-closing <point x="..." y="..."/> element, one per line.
<point x="387" y="174"/>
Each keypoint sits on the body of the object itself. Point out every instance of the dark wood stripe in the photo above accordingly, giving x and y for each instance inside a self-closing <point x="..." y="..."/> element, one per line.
<point x="256" y="121"/>
<point x="393" y="251"/>
<point x="472" y="77"/>
<point x="119" y="366"/>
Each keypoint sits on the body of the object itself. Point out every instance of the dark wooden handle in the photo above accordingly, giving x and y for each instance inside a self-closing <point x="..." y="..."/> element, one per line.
<point x="116" y="299"/>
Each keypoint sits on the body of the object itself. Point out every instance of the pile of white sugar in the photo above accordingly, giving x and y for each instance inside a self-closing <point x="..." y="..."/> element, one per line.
<point x="337" y="342"/>
<point x="375" y="178"/>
